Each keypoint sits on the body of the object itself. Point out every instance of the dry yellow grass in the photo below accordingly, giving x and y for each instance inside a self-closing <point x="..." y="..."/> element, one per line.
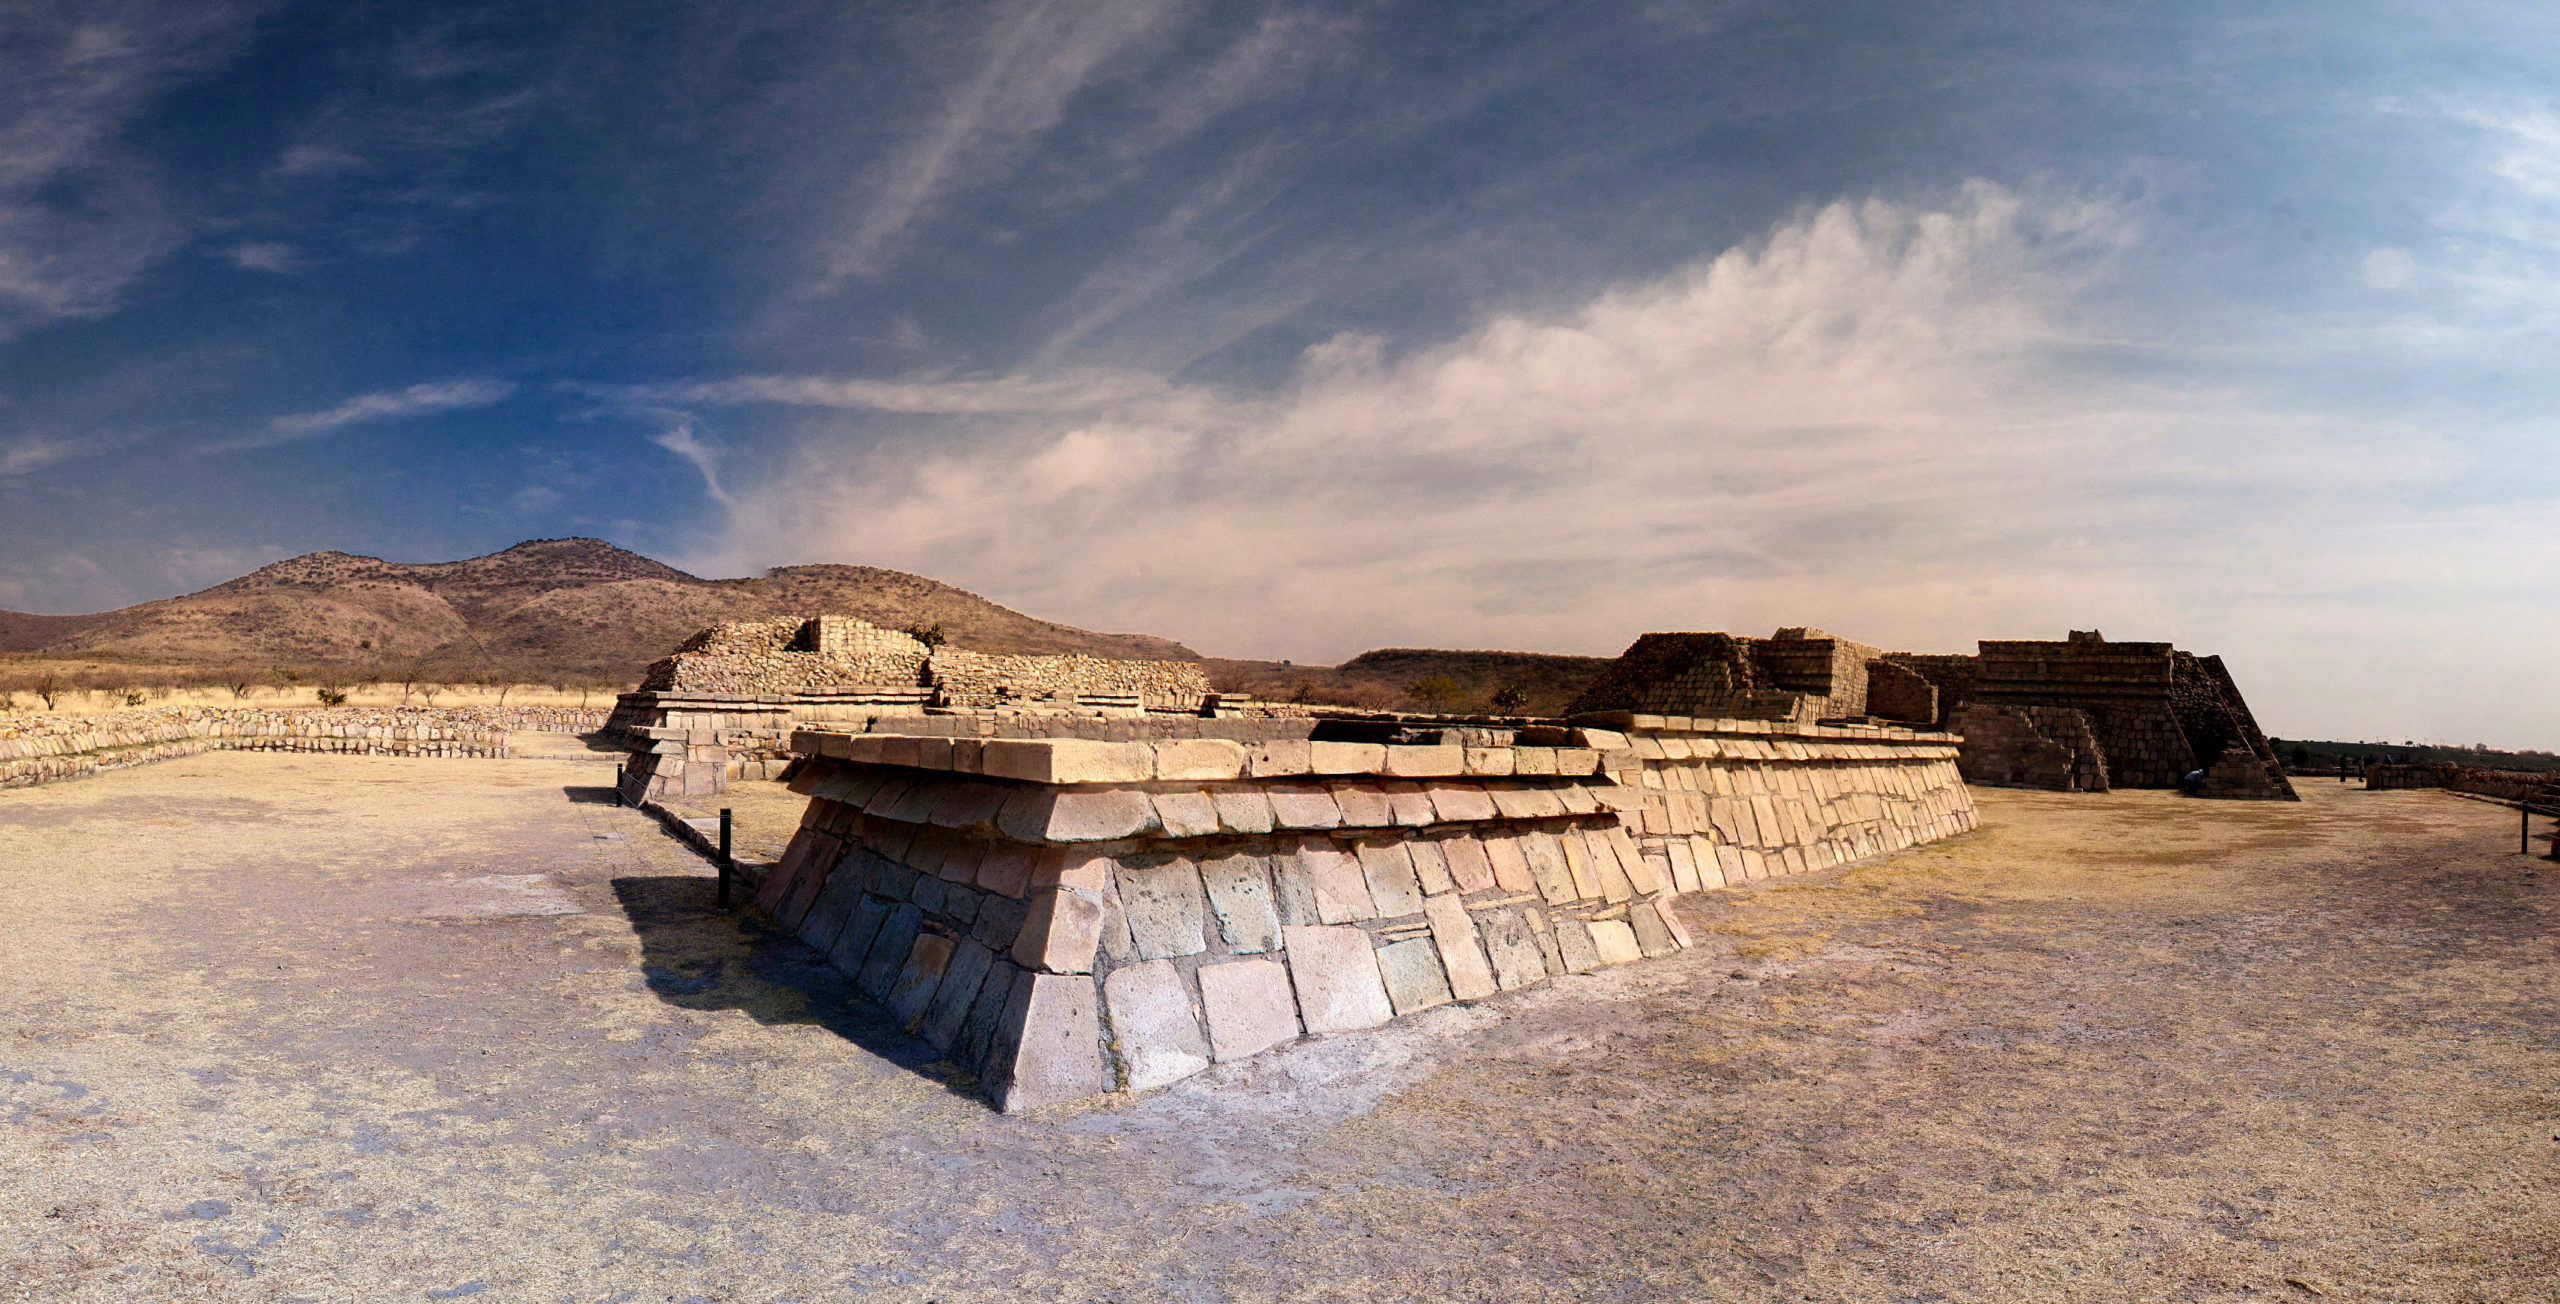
<point x="333" y="1028"/>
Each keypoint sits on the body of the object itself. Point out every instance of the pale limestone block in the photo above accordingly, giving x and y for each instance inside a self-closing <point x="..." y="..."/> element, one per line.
<point x="1250" y="1007"/>
<point x="1489" y="760"/>
<point x="1533" y="760"/>
<point x="1471" y="868"/>
<point x="1572" y="761"/>
<point x="1684" y="867"/>
<point x="1118" y="942"/>
<point x="1346" y="758"/>
<point x="1577" y="864"/>
<point x="1247" y="811"/>
<point x="1514" y="803"/>
<point x="1341" y="891"/>
<point x="964" y="805"/>
<point x="1573" y="941"/>
<point x="1607" y="740"/>
<point x="1615" y="941"/>
<point x="1166" y="908"/>
<point x="1186" y="814"/>
<point x="1335" y="974"/>
<point x="1271" y="759"/>
<point x="1103" y="816"/>
<point x="1430" y="866"/>
<point x="1426" y="761"/>
<point x="1510" y="863"/>
<point x="1084" y="760"/>
<point x="1015" y="758"/>
<point x="1410" y="806"/>
<point x="1657" y="862"/>
<point x="1293" y="889"/>
<point x="1300" y="807"/>
<point x="912" y="994"/>
<point x="1054" y="1026"/>
<point x="1411" y="970"/>
<point x="1512" y="947"/>
<point x="1456" y="801"/>
<point x="1647" y="880"/>
<point x="1363" y="806"/>
<point x="1025" y="817"/>
<point x="1081" y="867"/>
<point x="1577" y="799"/>
<point x="1153" y="1030"/>
<point x="1461" y="956"/>
<point x="1240" y="898"/>
<point x="1061" y="932"/>
<point x="933" y="753"/>
<point x="1388" y="868"/>
<point x="1653" y="936"/>
<point x="1215" y="759"/>
<point x="1547" y="867"/>
<point x="1616" y="884"/>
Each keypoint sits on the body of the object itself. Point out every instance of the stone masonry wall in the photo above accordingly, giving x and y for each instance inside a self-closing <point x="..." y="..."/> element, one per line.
<point x="1064" y="917"/>
<point x="975" y="679"/>
<point x="42" y="749"/>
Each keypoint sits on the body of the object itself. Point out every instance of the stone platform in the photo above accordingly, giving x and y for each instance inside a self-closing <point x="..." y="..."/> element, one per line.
<point x="1071" y="916"/>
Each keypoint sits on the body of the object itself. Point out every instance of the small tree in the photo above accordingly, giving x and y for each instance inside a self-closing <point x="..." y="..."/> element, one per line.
<point x="135" y="697"/>
<point x="239" y="685"/>
<point x="332" y="695"/>
<point x="1508" y="700"/>
<point x="1304" y="693"/>
<point x="1435" y="692"/>
<point x="48" y="686"/>
<point x="427" y="690"/>
<point x="930" y="635"/>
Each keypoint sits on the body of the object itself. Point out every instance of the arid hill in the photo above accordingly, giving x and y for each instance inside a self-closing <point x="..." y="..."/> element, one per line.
<point x="540" y="611"/>
<point x="1424" y="679"/>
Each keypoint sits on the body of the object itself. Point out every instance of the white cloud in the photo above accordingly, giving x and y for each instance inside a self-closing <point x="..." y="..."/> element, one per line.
<point x="264" y="256"/>
<point x="386" y="405"/>
<point x="1884" y="419"/>
<point x="679" y="439"/>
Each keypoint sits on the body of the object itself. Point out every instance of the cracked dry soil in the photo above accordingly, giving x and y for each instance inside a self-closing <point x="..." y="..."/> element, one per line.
<point x="349" y="1029"/>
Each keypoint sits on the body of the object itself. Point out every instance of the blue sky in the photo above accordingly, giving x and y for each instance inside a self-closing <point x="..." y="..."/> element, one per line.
<point x="1296" y="330"/>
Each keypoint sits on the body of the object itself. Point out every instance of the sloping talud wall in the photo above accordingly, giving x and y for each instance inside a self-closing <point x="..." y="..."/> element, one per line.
<point x="1066" y="917"/>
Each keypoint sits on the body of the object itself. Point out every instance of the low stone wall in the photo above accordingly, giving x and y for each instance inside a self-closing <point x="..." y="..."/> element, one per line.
<point x="43" y="749"/>
<point x="2505" y="785"/>
<point x="976" y="679"/>
<point x="1065" y="917"/>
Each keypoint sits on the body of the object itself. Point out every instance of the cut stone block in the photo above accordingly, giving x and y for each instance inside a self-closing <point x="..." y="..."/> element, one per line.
<point x="861" y="929"/>
<point x="1517" y="959"/>
<point x="1510" y="861"/>
<point x="912" y="994"/>
<point x="1460" y="801"/>
<point x="1388" y="870"/>
<point x="1617" y="882"/>
<point x="1363" y="806"/>
<point x="979" y="1032"/>
<point x="1054" y="1030"/>
<point x="1430" y="866"/>
<point x="1653" y="937"/>
<point x="1006" y="870"/>
<point x="1414" y="978"/>
<point x="952" y="1000"/>
<point x="1061" y="932"/>
<point x="1250" y="1007"/>
<point x="1547" y="866"/>
<point x="1573" y="940"/>
<point x="1153" y="1030"/>
<point x="1615" y="941"/>
<point x="1469" y="867"/>
<point x="1199" y="758"/>
<point x="1186" y="814"/>
<point x="1408" y="806"/>
<point x="1342" y="895"/>
<point x="1346" y="758"/>
<point x="1118" y="942"/>
<point x="1294" y="807"/>
<point x="1243" y="812"/>
<point x="1293" y="890"/>
<point x="1426" y="761"/>
<point x="1166" y="908"/>
<point x="1671" y="921"/>
<point x="1335" y="974"/>
<point x="1240" y="897"/>
<point x="825" y="920"/>
<point x="1099" y="816"/>
<point x="1470" y="975"/>
<point x="999" y="922"/>
<point x="889" y="951"/>
<point x="1577" y="863"/>
<point x="964" y="805"/>
<point x="1287" y="756"/>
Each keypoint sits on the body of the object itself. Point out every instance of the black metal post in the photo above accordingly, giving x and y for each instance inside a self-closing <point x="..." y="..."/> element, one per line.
<point x="617" y="783"/>
<point x="725" y="862"/>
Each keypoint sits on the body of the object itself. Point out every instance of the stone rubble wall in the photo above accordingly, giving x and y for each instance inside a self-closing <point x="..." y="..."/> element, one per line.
<point x="43" y="749"/>
<point x="2049" y="747"/>
<point x="1066" y="917"/>
<point x="807" y="656"/>
<point x="2505" y="785"/>
<point x="962" y="678"/>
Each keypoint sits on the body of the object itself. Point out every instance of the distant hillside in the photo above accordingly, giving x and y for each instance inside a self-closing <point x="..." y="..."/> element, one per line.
<point x="1386" y="679"/>
<point x="542" y="611"/>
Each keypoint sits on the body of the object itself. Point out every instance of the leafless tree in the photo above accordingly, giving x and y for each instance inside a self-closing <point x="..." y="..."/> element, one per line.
<point x="48" y="686"/>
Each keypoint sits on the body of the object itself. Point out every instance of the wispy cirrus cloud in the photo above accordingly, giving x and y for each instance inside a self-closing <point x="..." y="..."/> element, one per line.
<point x="385" y="405"/>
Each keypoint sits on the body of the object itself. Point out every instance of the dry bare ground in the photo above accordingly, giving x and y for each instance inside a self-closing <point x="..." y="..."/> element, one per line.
<point x="282" y="1027"/>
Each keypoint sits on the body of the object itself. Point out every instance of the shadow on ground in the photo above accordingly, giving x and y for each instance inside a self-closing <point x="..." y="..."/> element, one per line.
<point x="599" y="795"/>
<point x="700" y="958"/>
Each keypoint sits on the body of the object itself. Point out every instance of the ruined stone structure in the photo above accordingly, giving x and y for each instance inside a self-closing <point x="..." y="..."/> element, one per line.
<point x="2086" y="714"/>
<point x="725" y="703"/>
<point x="42" y="749"/>
<point x="1068" y="916"/>
<point x="2542" y="786"/>
<point x="1798" y="675"/>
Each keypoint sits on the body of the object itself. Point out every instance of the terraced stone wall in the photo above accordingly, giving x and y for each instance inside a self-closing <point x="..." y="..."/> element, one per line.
<point x="1066" y="917"/>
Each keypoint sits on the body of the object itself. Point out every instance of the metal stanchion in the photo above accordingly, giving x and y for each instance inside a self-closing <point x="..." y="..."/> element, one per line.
<point x="725" y="862"/>
<point x="617" y="783"/>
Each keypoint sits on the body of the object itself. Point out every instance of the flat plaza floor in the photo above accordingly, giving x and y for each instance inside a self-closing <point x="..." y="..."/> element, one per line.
<point x="351" y="1029"/>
